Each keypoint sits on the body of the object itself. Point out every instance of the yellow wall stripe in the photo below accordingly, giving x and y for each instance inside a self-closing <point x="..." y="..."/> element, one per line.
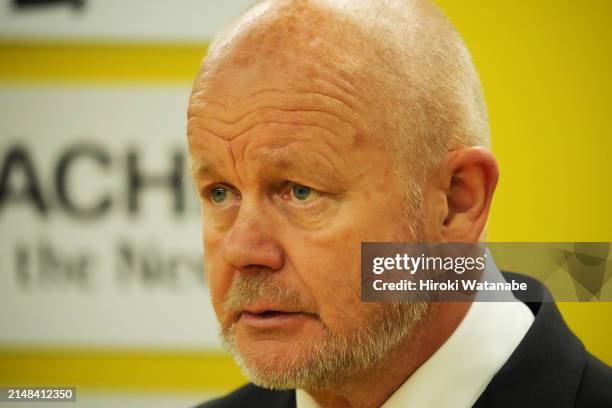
<point x="119" y="370"/>
<point x="95" y="62"/>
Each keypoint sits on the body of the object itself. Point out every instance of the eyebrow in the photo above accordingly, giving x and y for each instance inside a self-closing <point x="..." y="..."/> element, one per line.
<point x="322" y="170"/>
<point x="310" y="165"/>
<point x="203" y="166"/>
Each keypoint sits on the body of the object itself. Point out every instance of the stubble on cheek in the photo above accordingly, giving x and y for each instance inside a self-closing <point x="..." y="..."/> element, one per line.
<point x="218" y="286"/>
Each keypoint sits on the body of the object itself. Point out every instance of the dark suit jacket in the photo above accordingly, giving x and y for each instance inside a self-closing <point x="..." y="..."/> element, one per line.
<point x="549" y="368"/>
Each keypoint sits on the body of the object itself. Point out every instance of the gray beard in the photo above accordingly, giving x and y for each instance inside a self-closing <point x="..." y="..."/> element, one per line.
<point x="337" y="357"/>
<point x="334" y="359"/>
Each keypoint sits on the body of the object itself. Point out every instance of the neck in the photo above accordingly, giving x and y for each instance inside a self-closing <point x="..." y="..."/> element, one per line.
<point x="371" y="388"/>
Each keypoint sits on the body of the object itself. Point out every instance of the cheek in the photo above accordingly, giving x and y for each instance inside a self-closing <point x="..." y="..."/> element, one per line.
<point x="218" y="277"/>
<point x="328" y="266"/>
<point x="328" y="261"/>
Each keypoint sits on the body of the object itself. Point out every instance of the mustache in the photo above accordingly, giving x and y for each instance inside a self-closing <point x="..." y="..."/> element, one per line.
<point x="265" y="287"/>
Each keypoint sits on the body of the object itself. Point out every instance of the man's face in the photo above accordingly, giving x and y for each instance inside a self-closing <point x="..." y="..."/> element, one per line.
<point x="292" y="180"/>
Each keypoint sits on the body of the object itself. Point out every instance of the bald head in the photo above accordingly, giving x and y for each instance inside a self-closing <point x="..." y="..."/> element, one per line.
<point x="397" y="64"/>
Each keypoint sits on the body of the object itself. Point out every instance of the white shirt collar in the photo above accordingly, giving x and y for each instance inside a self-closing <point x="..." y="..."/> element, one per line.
<point x="459" y="371"/>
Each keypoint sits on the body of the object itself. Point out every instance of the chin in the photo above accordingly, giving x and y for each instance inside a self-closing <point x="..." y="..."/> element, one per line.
<point x="272" y="361"/>
<point x="272" y="348"/>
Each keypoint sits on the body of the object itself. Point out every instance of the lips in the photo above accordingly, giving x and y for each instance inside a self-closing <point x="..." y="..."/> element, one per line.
<point x="272" y="317"/>
<point x="269" y="313"/>
<point x="261" y="307"/>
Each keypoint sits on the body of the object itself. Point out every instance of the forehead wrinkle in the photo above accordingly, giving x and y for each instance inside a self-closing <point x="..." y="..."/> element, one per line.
<point x="269" y="108"/>
<point x="334" y="74"/>
<point x="200" y="126"/>
<point x="314" y="108"/>
<point x="225" y="116"/>
<point x="201" y="99"/>
<point x="279" y="158"/>
<point x="305" y="100"/>
<point x="341" y="98"/>
<point x="322" y="80"/>
<point x="212" y="159"/>
<point x="200" y="130"/>
<point x="304" y="133"/>
<point x="260" y="116"/>
<point x="314" y="92"/>
<point x="331" y="79"/>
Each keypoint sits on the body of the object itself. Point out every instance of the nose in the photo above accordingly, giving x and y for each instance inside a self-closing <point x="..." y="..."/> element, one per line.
<point x="250" y="244"/>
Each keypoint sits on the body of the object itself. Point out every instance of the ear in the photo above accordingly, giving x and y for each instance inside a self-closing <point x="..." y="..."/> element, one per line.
<point x="468" y="178"/>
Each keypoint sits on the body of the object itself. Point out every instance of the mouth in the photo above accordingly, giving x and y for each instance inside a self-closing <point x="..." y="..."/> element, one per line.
<point x="268" y="313"/>
<point x="270" y="319"/>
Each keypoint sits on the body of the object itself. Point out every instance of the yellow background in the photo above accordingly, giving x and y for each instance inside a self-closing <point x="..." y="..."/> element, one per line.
<point x="545" y="67"/>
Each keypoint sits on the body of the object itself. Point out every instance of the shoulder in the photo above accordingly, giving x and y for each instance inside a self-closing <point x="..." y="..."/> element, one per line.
<point x="595" y="388"/>
<point x="252" y="396"/>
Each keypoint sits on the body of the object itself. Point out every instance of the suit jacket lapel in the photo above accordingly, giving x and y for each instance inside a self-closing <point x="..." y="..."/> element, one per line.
<point x="546" y="367"/>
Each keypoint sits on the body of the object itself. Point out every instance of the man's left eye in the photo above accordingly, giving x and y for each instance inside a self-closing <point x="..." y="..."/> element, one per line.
<point x="218" y="194"/>
<point x="303" y="194"/>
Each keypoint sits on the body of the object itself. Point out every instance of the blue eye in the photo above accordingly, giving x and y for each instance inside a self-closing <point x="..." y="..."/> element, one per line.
<point x="218" y="194"/>
<point x="300" y="192"/>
